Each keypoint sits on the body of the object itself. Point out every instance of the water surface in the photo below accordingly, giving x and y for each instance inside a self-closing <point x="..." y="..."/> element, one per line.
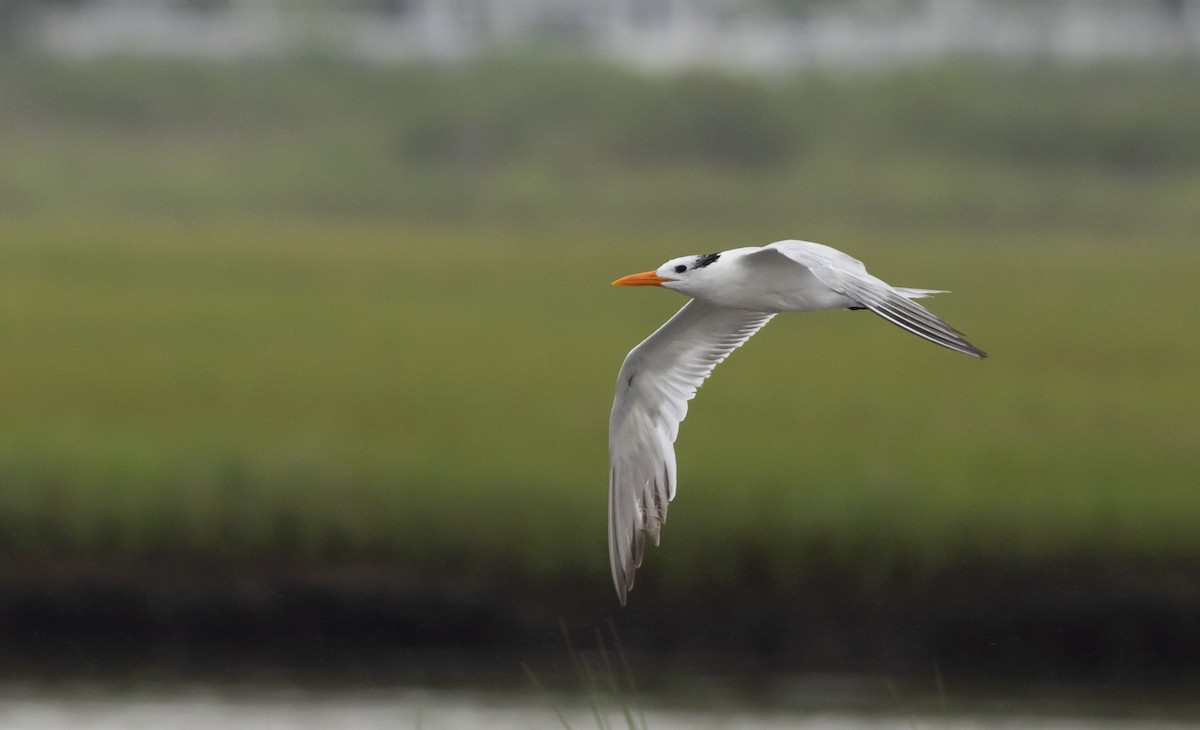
<point x="226" y="708"/>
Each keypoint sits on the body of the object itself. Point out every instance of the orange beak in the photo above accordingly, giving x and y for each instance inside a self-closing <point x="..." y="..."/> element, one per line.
<point x="646" y="278"/>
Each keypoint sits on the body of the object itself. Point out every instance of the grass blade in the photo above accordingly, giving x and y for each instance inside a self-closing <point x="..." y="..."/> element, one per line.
<point x="542" y="689"/>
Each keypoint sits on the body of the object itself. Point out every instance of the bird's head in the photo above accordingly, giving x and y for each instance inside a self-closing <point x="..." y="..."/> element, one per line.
<point x="686" y="274"/>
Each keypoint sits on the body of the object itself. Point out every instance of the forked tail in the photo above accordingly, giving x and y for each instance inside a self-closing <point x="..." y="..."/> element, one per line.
<point x="919" y="293"/>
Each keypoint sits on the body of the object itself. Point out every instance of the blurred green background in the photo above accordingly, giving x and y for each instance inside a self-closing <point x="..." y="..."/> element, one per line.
<point x="322" y="312"/>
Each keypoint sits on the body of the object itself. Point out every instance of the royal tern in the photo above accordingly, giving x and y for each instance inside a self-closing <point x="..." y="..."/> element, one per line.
<point x="733" y="294"/>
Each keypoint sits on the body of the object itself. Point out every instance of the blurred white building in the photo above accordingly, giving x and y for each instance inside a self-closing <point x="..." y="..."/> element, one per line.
<point x="746" y="34"/>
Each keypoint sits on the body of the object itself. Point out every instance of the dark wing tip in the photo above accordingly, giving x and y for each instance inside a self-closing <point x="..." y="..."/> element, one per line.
<point x="909" y="315"/>
<point x="624" y="583"/>
<point x="624" y="571"/>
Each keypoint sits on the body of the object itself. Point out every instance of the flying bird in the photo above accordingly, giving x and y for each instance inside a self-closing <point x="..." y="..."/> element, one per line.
<point x="733" y="294"/>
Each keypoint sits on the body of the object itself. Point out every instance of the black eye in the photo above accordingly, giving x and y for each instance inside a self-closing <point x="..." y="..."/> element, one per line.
<point x="680" y="269"/>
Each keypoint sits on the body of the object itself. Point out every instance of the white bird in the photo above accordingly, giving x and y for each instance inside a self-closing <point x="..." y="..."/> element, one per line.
<point x="733" y="294"/>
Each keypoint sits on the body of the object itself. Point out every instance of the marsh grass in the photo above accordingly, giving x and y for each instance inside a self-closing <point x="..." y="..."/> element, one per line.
<point x="351" y="390"/>
<point x="240" y="320"/>
<point x="591" y="678"/>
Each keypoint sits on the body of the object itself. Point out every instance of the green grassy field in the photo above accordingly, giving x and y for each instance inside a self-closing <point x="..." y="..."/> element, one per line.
<point x="338" y="389"/>
<point x="237" y="321"/>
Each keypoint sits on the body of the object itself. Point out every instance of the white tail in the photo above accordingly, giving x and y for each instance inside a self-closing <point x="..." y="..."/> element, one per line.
<point x="919" y="293"/>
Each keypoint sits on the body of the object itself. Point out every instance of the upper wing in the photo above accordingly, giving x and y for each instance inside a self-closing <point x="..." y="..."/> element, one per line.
<point x="847" y="276"/>
<point x="656" y="381"/>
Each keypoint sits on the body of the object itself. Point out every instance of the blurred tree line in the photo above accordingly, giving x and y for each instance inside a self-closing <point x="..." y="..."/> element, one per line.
<point x="545" y="136"/>
<point x="1110" y="118"/>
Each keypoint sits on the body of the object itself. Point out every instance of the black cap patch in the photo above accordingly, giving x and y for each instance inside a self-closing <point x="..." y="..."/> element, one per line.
<point x="706" y="259"/>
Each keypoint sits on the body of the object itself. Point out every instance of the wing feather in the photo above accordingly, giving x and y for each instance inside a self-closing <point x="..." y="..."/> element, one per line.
<point x="656" y="381"/>
<point x="848" y="276"/>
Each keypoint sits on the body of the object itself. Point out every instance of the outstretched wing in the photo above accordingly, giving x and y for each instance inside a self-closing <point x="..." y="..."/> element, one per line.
<point x="656" y="381"/>
<point x="847" y="276"/>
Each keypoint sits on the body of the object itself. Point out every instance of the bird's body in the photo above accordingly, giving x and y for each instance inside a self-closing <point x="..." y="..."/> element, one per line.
<point x="734" y="293"/>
